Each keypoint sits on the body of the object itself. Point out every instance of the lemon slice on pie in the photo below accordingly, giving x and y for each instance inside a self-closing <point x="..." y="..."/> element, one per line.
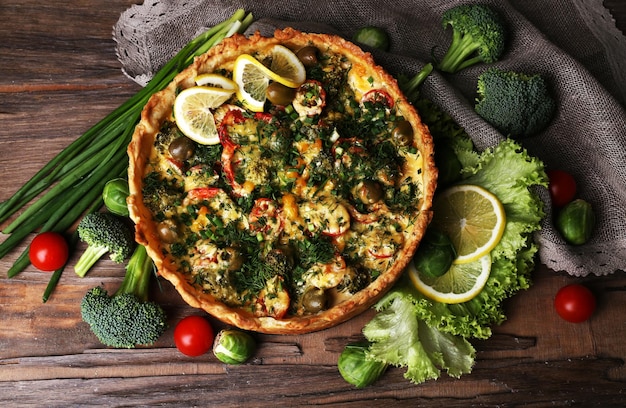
<point x="253" y="78"/>
<point x="286" y="67"/>
<point x="462" y="282"/>
<point x="473" y="218"/>
<point x="193" y="112"/>
<point x="215" y="81"/>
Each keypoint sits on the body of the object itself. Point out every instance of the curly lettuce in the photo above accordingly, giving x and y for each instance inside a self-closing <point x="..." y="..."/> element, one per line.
<point x="426" y="336"/>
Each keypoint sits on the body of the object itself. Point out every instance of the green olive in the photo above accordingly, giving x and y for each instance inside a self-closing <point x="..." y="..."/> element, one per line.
<point x="314" y="300"/>
<point x="233" y="346"/>
<point x="182" y="148"/>
<point x="308" y="55"/>
<point x="435" y="254"/>
<point x="576" y="221"/>
<point x="279" y="94"/>
<point x="168" y="231"/>
<point x="403" y="133"/>
<point x="369" y="192"/>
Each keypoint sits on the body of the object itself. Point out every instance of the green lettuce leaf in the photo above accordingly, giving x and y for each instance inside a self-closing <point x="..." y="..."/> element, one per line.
<point x="426" y="336"/>
<point x="399" y="338"/>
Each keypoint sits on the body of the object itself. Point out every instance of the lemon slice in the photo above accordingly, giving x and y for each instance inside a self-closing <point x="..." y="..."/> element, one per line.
<point x="473" y="218"/>
<point x="215" y="81"/>
<point x="252" y="80"/>
<point x="462" y="282"/>
<point x="286" y="67"/>
<point x="252" y="77"/>
<point x="192" y="111"/>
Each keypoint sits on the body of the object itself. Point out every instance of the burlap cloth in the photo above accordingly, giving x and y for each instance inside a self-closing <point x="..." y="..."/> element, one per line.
<point x="574" y="43"/>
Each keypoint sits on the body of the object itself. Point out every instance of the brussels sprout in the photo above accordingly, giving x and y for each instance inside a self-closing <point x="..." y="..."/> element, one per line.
<point x="435" y="254"/>
<point x="576" y="221"/>
<point x="356" y="368"/>
<point x="374" y="37"/>
<point x="447" y="163"/>
<point x="114" y="195"/>
<point x="233" y="346"/>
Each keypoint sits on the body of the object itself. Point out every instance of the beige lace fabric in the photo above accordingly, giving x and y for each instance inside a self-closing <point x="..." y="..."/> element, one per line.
<point x="574" y="44"/>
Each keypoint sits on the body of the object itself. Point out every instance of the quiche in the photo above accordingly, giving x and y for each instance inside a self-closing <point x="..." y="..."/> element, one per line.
<point x="307" y="210"/>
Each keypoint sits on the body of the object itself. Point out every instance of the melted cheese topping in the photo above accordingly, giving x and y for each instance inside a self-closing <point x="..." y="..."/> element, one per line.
<point x="273" y="218"/>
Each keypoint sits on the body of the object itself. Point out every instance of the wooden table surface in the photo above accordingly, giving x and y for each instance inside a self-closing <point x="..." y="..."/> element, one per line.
<point x="59" y="76"/>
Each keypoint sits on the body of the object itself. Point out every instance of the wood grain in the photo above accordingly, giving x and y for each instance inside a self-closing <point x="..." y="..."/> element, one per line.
<point x="59" y="77"/>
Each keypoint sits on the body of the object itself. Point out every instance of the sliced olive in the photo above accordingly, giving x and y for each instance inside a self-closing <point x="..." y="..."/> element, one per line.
<point x="314" y="300"/>
<point x="279" y="94"/>
<point x="369" y="192"/>
<point x="308" y="55"/>
<point x="403" y="133"/>
<point x="168" y="231"/>
<point x="182" y="148"/>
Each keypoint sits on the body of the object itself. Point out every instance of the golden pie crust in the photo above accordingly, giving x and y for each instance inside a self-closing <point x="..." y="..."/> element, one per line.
<point x="222" y="56"/>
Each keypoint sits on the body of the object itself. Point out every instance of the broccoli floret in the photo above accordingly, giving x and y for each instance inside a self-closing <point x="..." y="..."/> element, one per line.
<point x="103" y="232"/>
<point x="160" y="195"/>
<point x="279" y="262"/>
<point x="127" y="318"/>
<point x="517" y="104"/>
<point x="478" y="35"/>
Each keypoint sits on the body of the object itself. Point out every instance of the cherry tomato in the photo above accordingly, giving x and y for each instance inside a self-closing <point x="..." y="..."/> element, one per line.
<point x="193" y="336"/>
<point x="48" y="251"/>
<point x="562" y="187"/>
<point x="378" y="96"/>
<point x="575" y="303"/>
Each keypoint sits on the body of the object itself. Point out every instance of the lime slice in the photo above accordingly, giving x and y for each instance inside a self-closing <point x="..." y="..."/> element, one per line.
<point x="193" y="112"/>
<point x="462" y="282"/>
<point x="472" y="217"/>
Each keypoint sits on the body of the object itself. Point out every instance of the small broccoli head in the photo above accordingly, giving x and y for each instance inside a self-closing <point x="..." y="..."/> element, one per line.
<point x="478" y="35"/>
<point x="103" y="232"/>
<point x="124" y="320"/>
<point x="279" y="262"/>
<point x="517" y="104"/>
<point x="160" y="194"/>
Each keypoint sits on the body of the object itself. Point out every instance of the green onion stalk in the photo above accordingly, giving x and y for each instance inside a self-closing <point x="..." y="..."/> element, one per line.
<point x="71" y="184"/>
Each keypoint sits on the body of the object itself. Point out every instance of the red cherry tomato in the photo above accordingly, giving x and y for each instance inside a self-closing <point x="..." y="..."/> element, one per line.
<point x="562" y="187"/>
<point x="193" y="336"/>
<point x="575" y="303"/>
<point x="48" y="251"/>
